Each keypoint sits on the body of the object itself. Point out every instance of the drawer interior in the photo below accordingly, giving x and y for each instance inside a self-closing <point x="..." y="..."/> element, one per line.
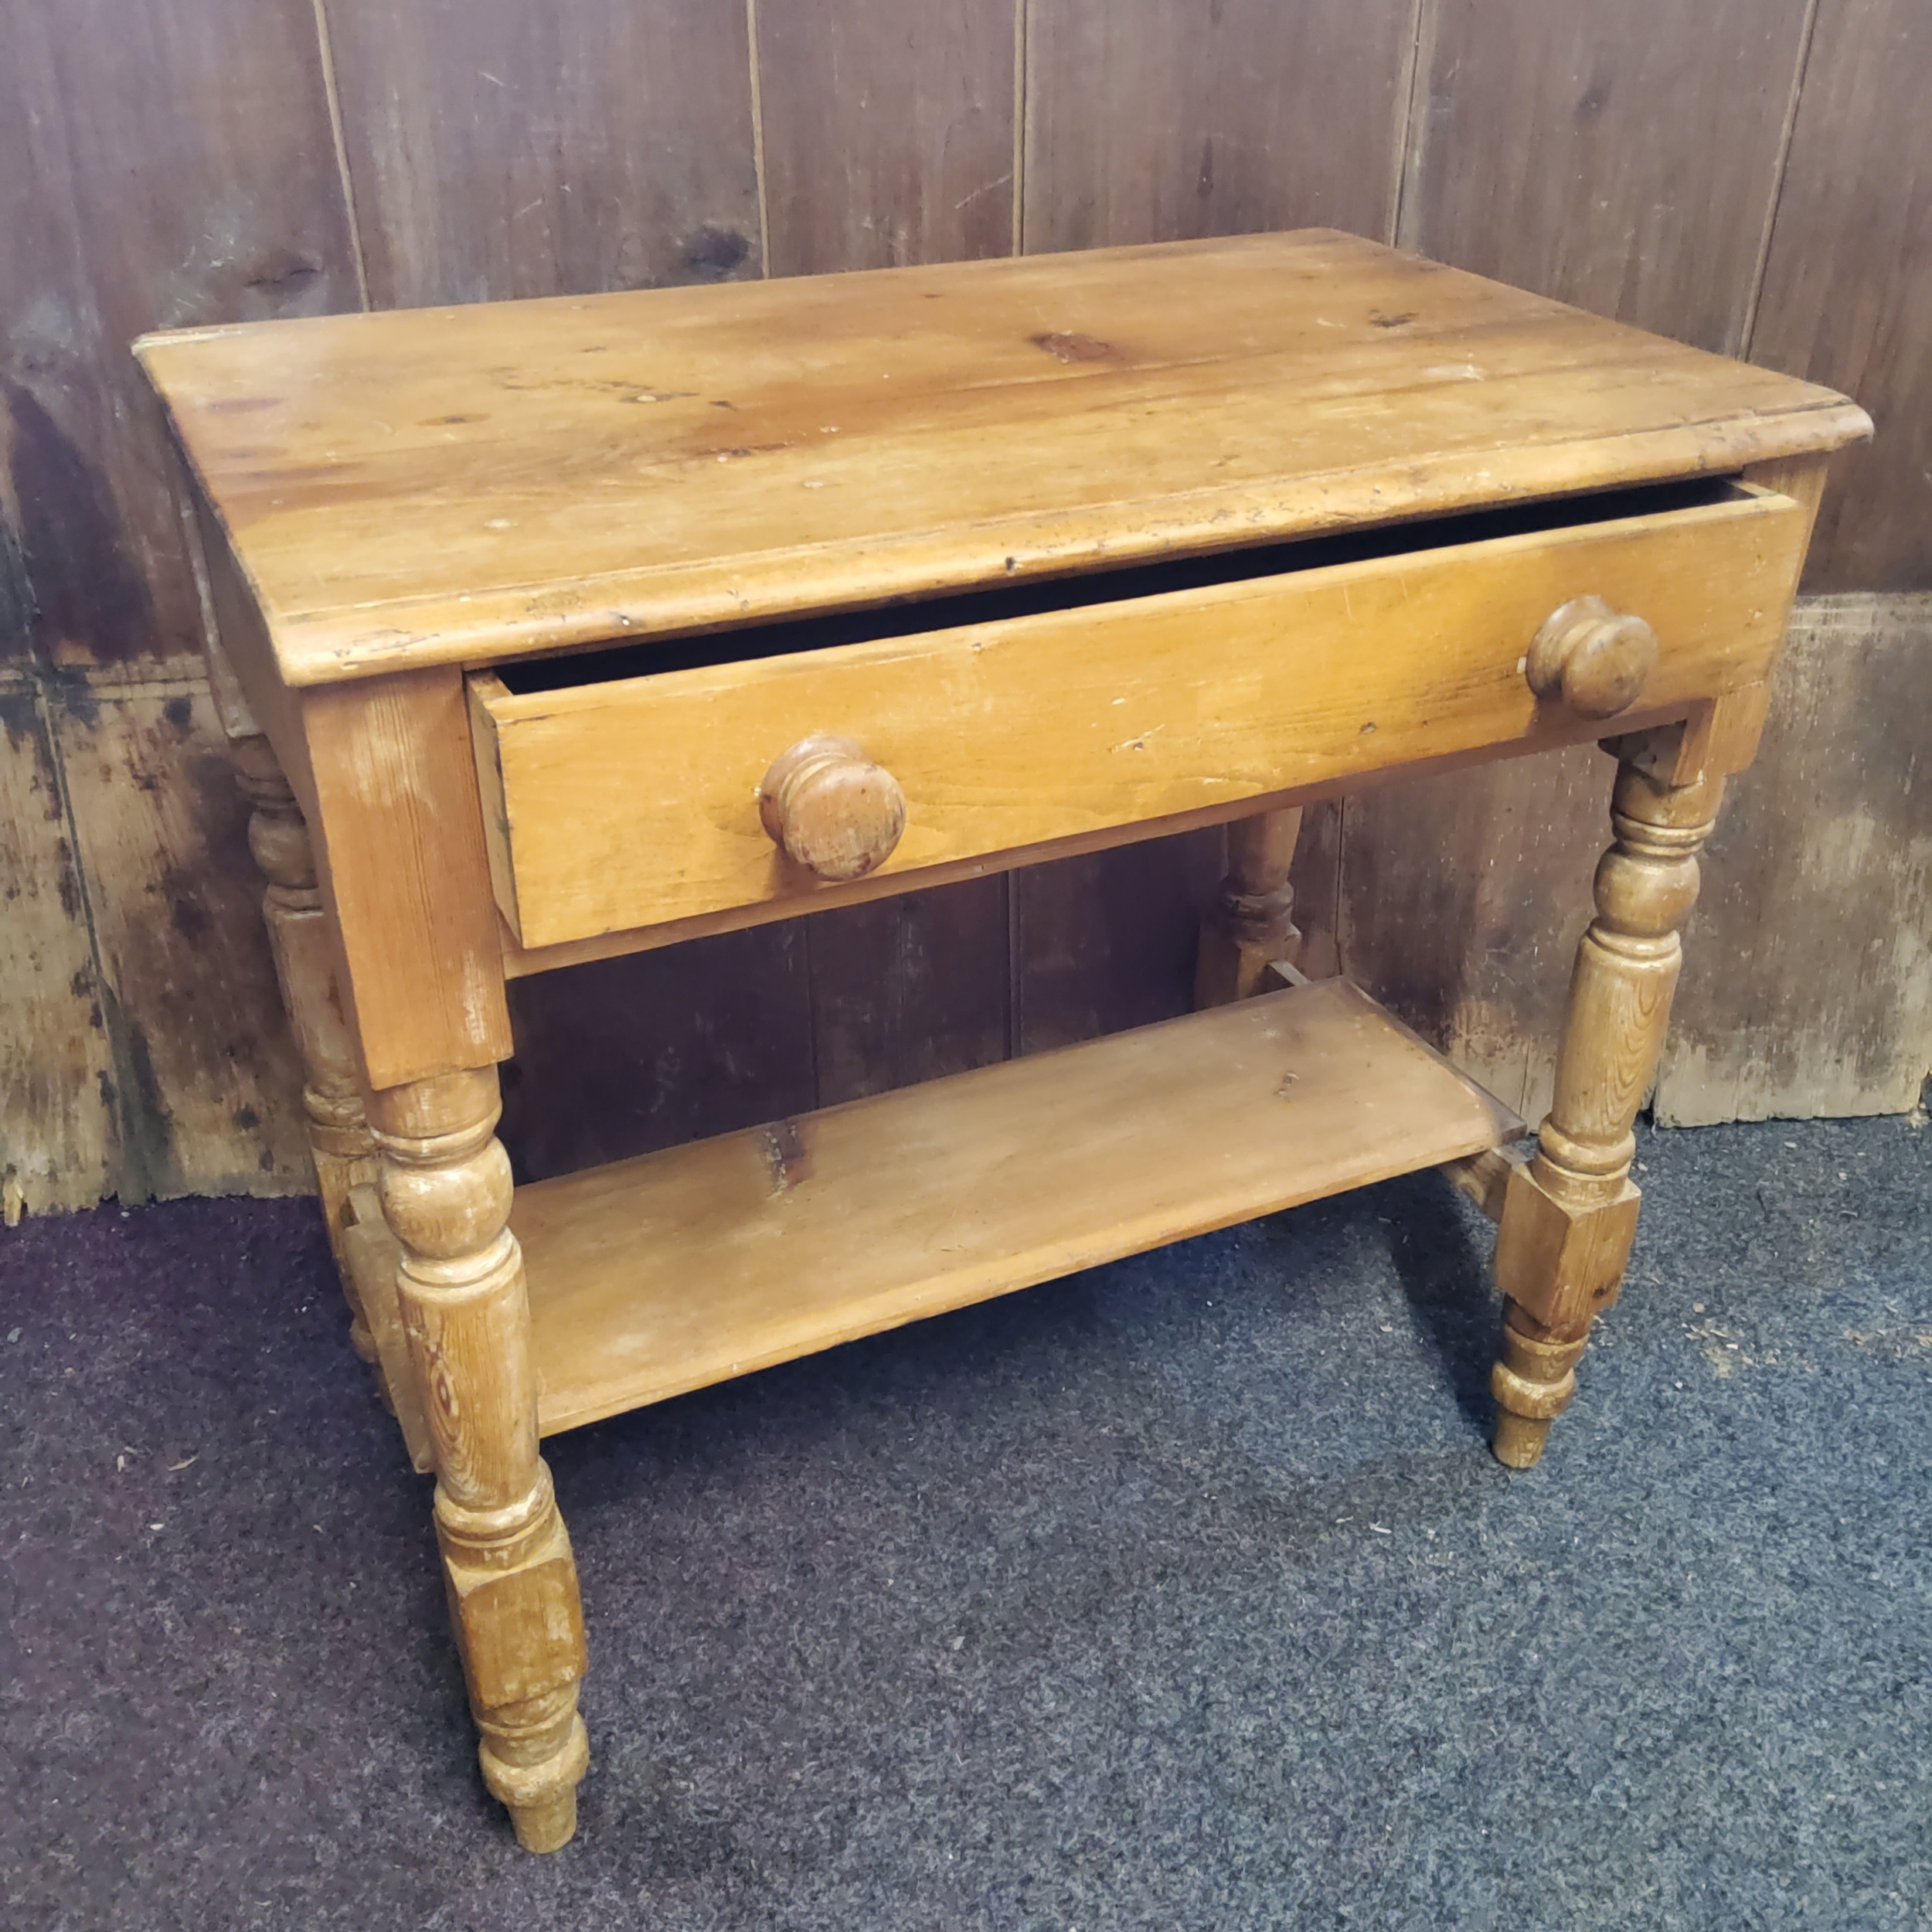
<point x="659" y="656"/>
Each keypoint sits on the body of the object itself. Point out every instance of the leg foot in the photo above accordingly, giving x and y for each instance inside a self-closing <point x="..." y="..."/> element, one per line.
<point x="1532" y="1384"/>
<point x="535" y="1772"/>
<point x="512" y="1581"/>
<point x="1569" y="1216"/>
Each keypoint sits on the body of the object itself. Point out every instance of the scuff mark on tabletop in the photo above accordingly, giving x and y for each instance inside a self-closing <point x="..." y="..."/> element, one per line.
<point x="784" y="1151"/>
<point x="1070" y="346"/>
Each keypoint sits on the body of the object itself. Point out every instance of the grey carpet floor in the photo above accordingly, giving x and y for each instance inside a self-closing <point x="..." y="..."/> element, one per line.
<point x="1182" y="1593"/>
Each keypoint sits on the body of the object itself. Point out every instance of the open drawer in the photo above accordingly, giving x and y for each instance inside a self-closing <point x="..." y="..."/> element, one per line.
<point x="622" y="788"/>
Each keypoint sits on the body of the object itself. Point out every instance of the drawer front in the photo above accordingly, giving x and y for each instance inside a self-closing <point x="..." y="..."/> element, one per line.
<point x="635" y="803"/>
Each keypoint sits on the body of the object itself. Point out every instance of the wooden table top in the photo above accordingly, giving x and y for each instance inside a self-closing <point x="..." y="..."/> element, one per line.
<point x="468" y="484"/>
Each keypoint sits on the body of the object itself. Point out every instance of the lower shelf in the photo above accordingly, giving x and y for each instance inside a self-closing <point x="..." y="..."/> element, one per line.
<point x="658" y="1275"/>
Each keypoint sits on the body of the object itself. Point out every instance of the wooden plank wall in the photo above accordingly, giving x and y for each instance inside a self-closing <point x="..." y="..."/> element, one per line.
<point x="1755" y="175"/>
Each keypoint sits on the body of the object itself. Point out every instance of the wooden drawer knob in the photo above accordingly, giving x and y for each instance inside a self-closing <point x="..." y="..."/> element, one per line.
<point x="831" y="809"/>
<point x="1597" y="660"/>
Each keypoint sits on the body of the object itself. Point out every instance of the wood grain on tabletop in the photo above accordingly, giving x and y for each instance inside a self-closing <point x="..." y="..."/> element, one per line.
<point x="1567" y="147"/>
<point x="395" y="484"/>
<point x="1087" y="721"/>
<point x="1105" y="1150"/>
<point x="196" y="186"/>
<point x="1149" y="122"/>
<point x="1848" y="284"/>
<point x="884" y="145"/>
<point x="497" y="152"/>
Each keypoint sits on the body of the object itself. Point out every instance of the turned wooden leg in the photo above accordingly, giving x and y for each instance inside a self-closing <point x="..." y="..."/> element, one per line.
<point x="338" y="1136"/>
<point x="506" y="1558"/>
<point x="339" y="1139"/>
<point x="1253" y="922"/>
<point x="1569" y="1213"/>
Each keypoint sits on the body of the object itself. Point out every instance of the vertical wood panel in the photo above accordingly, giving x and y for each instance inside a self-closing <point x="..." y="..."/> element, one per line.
<point x="907" y="989"/>
<point x="500" y="150"/>
<point x="1847" y="299"/>
<point x="55" y="1142"/>
<point x="1622" y="157"/>
<point x="888" y="131"/>
<point x="1109" y="942"/>
<point x="207" y="1084"/>
<point x="1158" y="120"/>
<point x="1807" y="977"/>
<point x="1463" y="896"/>
<point x="622" y="1055"/>
<point x="162" y="162"/>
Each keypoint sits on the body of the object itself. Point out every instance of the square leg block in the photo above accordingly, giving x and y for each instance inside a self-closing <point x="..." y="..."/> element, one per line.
<point x="1560" y="1264"/>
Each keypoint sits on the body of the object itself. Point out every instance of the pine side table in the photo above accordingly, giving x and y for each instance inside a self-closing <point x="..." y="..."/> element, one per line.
<point x="553" y="630"/>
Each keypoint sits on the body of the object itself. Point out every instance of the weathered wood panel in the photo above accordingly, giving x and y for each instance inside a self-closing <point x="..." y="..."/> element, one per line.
<point x="207" y="1087"/>
<point x="1148" y="121"/>
<point x="908" y="989"/>
<point x="1622" y="157"/>
<point x="888" y="131"/>
<point x="1807" y="981"/>
<point x="1847" y="294"/>
<point x="162" y="162"/>
<point x="499" y="150"/>
<point x="621" y="1056"/>
<point x="1108" y="942"/>
<point x="55" y="1143"/>
<point x="1571" y="149"/>
<point x="1316" y="877"/>
<point x="1463" y="896"/>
